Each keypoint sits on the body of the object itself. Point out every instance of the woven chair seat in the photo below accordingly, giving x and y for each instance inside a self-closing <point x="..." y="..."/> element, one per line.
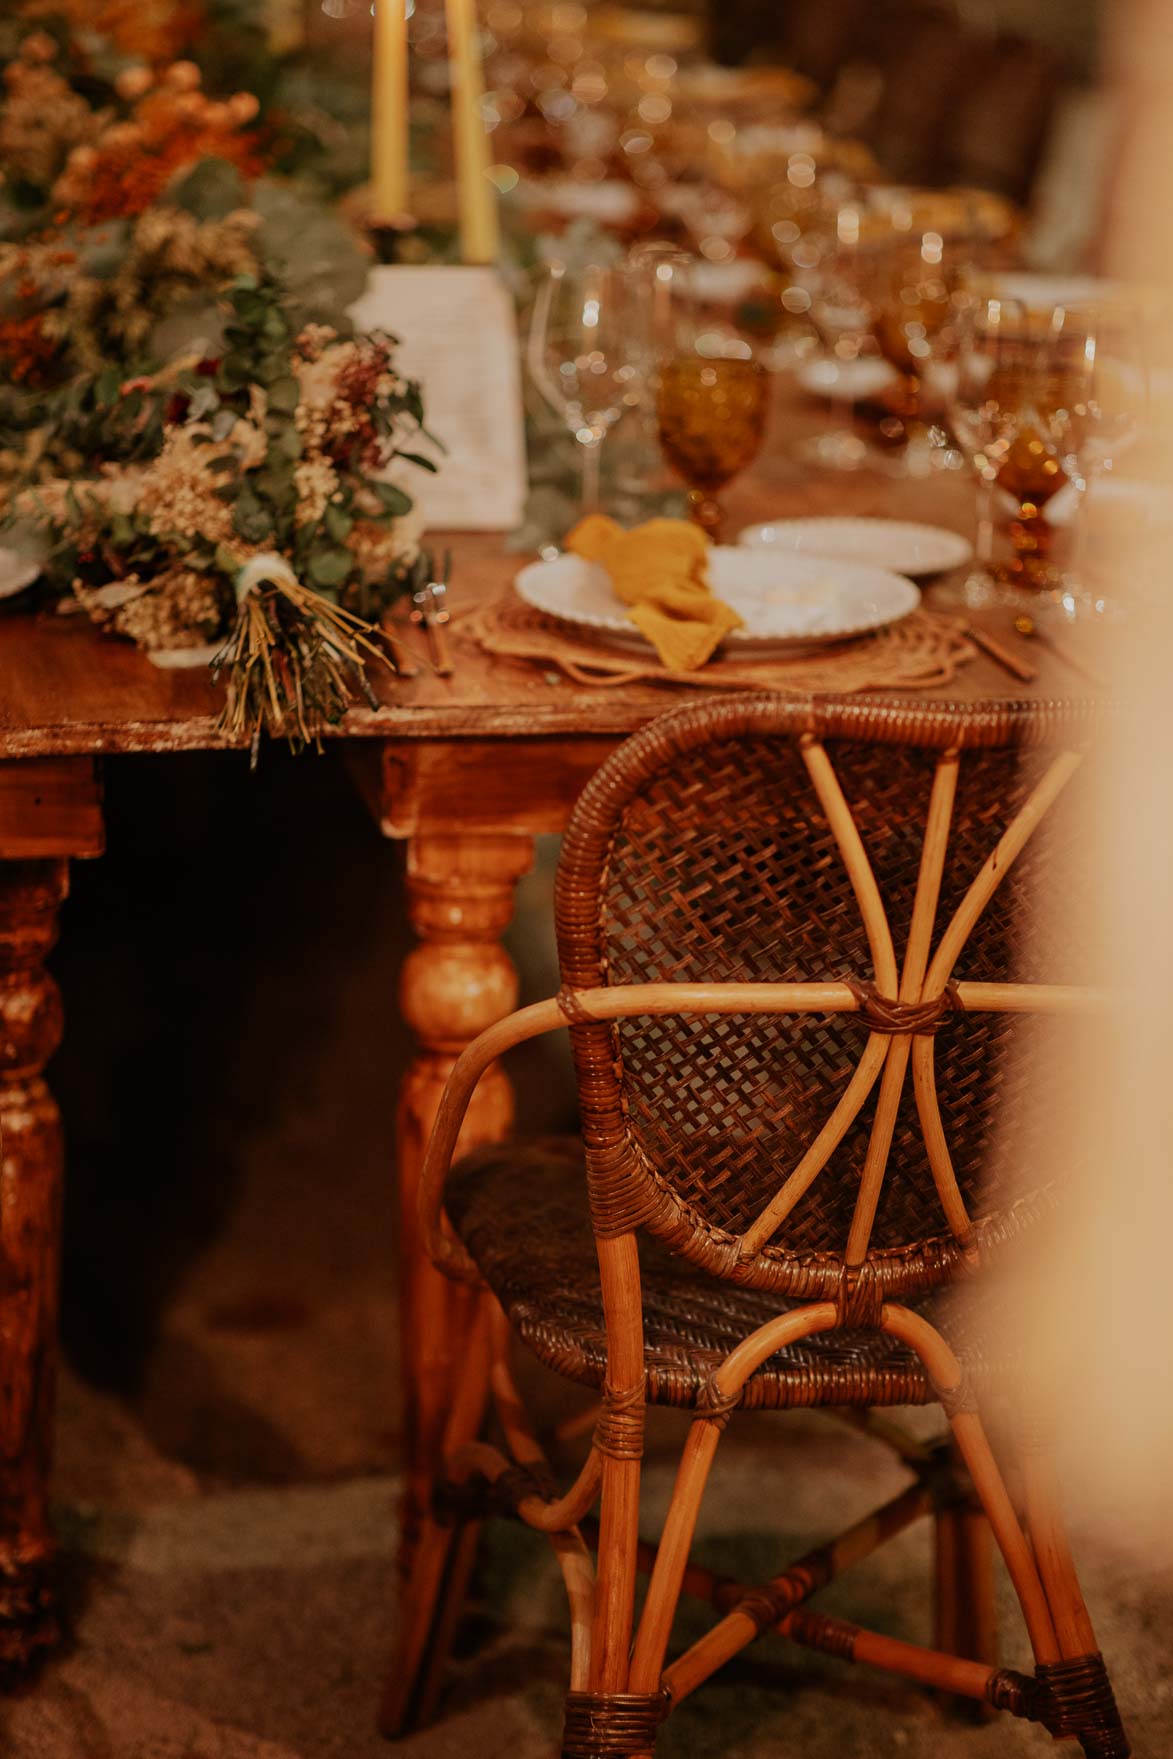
<point x="521" y="1210"/>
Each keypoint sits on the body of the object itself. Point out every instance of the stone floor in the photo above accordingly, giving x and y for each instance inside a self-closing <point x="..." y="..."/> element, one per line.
<point x="228" y="1420"/>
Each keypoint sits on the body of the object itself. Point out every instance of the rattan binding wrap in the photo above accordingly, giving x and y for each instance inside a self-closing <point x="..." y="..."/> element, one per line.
<point x="701" y="853"/>
<point x="1077" y="1702"/>
<point x="612" y="1725"/>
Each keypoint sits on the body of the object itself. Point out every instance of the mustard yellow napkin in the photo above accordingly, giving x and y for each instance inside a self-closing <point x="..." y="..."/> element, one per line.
<point x="659" y="571"/>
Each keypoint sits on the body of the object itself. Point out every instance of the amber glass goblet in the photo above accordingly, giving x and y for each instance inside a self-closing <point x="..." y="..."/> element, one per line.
<point x="1008" y="381"/>
<point x="916" y="277"/>
<point x="711" y="412"/>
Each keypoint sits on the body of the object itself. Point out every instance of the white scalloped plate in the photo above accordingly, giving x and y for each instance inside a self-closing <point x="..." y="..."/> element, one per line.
<point x="896" y="544"/>
<point x="16" y="572"/>
<point x="784" y="599"/>
<point x="845" y="381"/>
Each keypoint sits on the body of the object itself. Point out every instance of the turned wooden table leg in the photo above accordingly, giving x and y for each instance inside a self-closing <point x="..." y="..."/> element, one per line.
<point x="30" y="1213"/>
<point x="456" y="982"/>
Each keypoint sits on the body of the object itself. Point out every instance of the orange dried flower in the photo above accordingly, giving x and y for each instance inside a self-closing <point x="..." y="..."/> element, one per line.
<point x="172" y="126"/>
<point x="27" y="350"/>
<point x="149" y="30"/>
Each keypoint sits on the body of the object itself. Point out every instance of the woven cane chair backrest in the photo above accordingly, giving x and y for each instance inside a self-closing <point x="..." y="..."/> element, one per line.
<point x="702" y="853"/>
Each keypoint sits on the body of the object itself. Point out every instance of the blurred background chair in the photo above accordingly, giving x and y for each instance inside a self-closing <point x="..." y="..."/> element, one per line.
<point x="942" y="93"/>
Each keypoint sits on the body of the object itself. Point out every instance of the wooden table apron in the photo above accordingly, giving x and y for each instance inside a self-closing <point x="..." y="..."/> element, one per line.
<point x="465" y="770"/>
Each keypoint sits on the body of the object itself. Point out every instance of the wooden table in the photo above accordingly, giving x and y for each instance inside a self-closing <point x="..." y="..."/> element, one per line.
<point x="467" y="770"/>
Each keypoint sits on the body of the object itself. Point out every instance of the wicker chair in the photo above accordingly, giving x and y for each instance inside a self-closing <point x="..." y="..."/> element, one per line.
<point x="733" y="888"/>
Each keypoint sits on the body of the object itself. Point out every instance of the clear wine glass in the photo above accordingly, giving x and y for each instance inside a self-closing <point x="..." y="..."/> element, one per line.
<point x="842" y="314"/>
<point x="579" y="354"/>
<point x="1097" y="409"/>
<point x="654" y="268"/>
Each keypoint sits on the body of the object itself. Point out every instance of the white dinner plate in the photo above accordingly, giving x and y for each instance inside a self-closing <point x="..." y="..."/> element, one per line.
<point x="1041" y="291"/>
<point x="16" y="572"/>
<point x="847" y="381"/>
<point x="726" y="283"/>
<point x="895" y="544"/>
<point x="1148" y="505"/>
<point x="783" y="598"/>
<point x="610" y="202"/>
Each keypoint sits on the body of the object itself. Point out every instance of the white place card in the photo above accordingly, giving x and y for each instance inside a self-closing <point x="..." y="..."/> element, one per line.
<point x="457" y="335"/>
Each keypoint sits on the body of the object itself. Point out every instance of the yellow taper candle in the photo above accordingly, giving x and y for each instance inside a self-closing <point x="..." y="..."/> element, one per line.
<point x="478" y="198"/>
<point x="389" y="112"/>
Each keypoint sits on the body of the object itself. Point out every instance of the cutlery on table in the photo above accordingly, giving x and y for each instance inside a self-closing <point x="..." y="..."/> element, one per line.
<point x="1011" y="662"/>
<point x="1026" y="625"/>
<point x="430" y="612"/>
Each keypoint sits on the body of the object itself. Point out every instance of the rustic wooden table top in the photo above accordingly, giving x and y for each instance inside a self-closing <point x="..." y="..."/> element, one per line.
<point x="65" y="689"/>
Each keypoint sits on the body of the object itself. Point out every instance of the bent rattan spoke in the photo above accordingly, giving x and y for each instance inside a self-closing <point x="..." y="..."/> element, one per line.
<point x="855" y="860"/>
<point x="1010" y="845"/>
<point x="916" y="957"/>
<point x="998" y="864"/>
<point x="820" y="1150"/>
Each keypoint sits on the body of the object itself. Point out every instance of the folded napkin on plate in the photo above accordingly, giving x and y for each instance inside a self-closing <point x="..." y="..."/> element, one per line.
<point x="658" y="569"/>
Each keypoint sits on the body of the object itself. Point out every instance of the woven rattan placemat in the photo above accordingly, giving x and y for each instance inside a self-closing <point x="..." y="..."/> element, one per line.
<point x="923" y="650"/>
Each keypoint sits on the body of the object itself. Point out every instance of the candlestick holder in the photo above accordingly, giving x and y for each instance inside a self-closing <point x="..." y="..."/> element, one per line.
<point x="388" y="236"/>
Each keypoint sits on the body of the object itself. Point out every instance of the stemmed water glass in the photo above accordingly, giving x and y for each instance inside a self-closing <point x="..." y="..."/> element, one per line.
<point x="1098" y="408"/>
<point x="579" y="355"/>
<point x="842" y="314"/>
<point x="915" y="275"/>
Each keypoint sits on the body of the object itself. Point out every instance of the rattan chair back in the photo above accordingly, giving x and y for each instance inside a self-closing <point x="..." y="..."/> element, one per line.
<point x="705" y="851"/>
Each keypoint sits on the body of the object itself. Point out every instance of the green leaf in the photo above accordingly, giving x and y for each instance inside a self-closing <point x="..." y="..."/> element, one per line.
<point x="274" y="481"/>
<point x="234" y="374"/>
<point x="418" y="458"/>
<point x="225" y="561"/>
<point x="284" y="394"/>
<point x="330" y="567"/>
<point x="250" y="517"/>
<point x="211" y="190"/>
<point x="338" y="522"/>
<point x="285" y="443"/>
<point x="393" y="499"/>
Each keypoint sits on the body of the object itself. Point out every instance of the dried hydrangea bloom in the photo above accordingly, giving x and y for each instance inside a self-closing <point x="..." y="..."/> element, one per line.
<point x="178" y="491"/>
<point x="42" y="122"/>
<point x="170" y="256"/>
<point x="180" y="609"/>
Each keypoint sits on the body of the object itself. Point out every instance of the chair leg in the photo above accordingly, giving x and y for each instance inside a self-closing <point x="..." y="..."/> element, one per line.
<point x="965" y="1612"/>
<point x="1085" y="1705"/>
<point x="441" y="1563"/>
<point x="454" y="1593"/>
<point x="1075" y="1699"/>
<point x="422" y="1605"/>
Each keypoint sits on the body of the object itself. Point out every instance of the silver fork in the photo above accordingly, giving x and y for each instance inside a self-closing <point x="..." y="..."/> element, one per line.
<point x="430" y="612"/>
